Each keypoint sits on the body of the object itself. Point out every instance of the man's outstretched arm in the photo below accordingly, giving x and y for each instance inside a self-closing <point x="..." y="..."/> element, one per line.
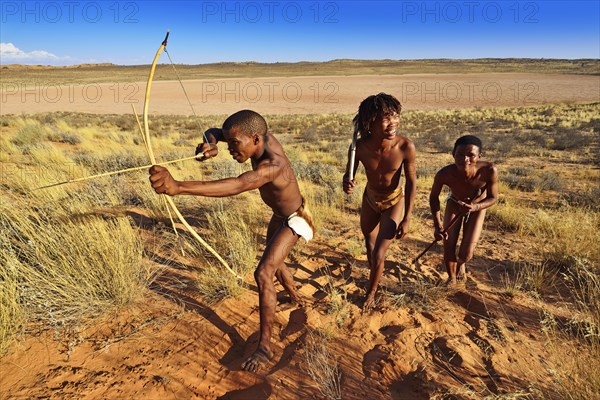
<point x="163" y="182"/>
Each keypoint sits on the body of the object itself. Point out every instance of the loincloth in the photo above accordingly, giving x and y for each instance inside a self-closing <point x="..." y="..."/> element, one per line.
<point x="455" y="199"/>
<point x="380" y="201"/>
<point x="452" y="197"/>
<point x="301" y="222"/>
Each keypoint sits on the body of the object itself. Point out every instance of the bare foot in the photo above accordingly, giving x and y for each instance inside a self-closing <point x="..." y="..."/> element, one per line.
<point x="294" y="301"/>
<point x="451" y="282"/>
<point x="259" y="358"/>
<point x="297" y="300"/>
<point x="462" y="273"/>
<point x="369" y="302"/>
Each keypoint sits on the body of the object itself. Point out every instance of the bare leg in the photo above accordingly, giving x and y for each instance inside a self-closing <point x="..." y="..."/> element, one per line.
<point x="471" y="232"/>
<point x="388" y="224"/>
<point x="450" y="243"/>
<point x="369" y="225"/>
<point x="277" y="250"/>
<point x="283" y="275"/>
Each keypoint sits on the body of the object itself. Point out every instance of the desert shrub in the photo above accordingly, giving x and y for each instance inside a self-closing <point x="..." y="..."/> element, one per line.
<point x="64" y="137"/>
<point x="568" y="139"/>
<point x="30" y="135"/>
<point x="321" y="174"/>
<point x="527" y="180"/>
<point x="520" y="182"/>
<point x="427" y="168"/>
<point x="175" y="154"/>
<point x="180" y="142"/>
<point x="70" y="270"/>
<point x="586" y="198"/>
<point x="125" y="122"/>
<point x="442" y="141"/>
<point x="96" y="163"/>
<point x="222" y="168"/>
<point x="549" y="180"/>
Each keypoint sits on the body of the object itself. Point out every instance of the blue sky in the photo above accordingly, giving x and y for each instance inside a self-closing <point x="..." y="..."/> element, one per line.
<point x="129" y="32"/>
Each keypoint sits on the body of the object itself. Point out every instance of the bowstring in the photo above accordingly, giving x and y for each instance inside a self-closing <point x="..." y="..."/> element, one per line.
<point x="184" y="91"/>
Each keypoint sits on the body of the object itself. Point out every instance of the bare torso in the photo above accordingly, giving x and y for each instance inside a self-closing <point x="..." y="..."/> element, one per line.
<point x="282" y="193"/>
<point x="383" y="165"/>
<point x="473" y="189"/>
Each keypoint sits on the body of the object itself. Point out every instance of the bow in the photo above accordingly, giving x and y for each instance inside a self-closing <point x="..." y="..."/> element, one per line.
<point x="169" y="200"/>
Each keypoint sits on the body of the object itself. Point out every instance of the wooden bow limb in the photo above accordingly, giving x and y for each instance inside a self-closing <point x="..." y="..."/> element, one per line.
<point x="139" y="124"/>
<point x="452" y="222"/>
<point x="153" y="161"/>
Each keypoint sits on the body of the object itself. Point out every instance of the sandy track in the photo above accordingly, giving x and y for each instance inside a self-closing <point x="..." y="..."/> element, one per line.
<point x="307" y="94"/>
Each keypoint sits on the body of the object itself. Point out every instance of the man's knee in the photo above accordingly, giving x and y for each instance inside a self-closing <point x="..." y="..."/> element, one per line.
<point x="450" y="257"/>
<point x="264" y="274"/>
<point x="370" y="244"/>
<point x="379" y="255"/>
<point x="465" y="256"/>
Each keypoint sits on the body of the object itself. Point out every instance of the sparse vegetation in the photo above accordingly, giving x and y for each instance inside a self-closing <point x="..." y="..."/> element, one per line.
<point x="60" y="271"/>
<point x="70" y="253"/>
<point x="322" y="366"/>
<point x="235" y="238"/>
<point x="337" y="300"/>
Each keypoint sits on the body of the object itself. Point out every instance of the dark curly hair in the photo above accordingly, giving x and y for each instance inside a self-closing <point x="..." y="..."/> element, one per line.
<point x="373" y="106"/>
<point x="468" y="139"/>
<point x="249" y="121"/>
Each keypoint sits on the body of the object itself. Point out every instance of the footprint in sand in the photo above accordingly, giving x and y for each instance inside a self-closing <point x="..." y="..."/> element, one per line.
<point x="413" y="386"/>
<point x="376" y="361"/>
<point x="492" y="377"/>
<point x="478" y="311"/>
<point x="443" y="353"/>
<point x="391" y="332"/>
<point x="470" y="303"/>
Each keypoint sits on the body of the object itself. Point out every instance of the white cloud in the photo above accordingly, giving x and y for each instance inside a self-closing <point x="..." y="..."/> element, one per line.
<point x="9" y="53"/>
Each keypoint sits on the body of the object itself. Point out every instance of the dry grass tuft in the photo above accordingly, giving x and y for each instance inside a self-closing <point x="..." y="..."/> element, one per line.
<point x="60" y="271"/>
<point x="420" y="294"/>
<point x="322" y="366"/>
<point x="565" y="232"/>
<point x="578" y="364"/>
<point x="234" y="236"/>
<point x="337" y="300"/>
<point x="13" y="314"/>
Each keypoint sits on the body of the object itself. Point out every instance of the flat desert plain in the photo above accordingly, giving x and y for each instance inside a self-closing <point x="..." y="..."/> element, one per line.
<point x="303" y="94"/>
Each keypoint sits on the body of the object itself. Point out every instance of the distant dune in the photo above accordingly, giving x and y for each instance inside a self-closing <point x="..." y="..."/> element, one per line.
<point x="106" y="72"/>
<point x="50" y="67"/>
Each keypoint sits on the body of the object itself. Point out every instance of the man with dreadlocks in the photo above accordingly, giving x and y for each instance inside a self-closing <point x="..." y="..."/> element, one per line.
<point x="384" y="154"/>
<point x="247" y="138"/>
<point x="473" y="187"/>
